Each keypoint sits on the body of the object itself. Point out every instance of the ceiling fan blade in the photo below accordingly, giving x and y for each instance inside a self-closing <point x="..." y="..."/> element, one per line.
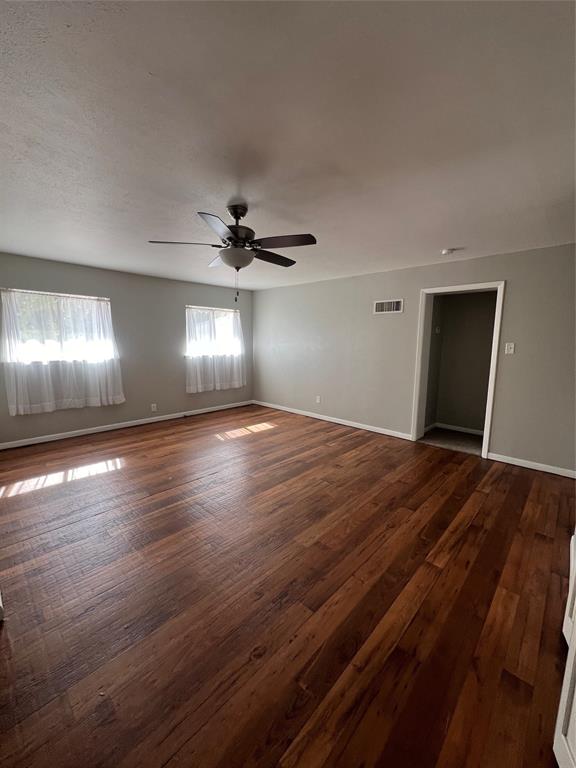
<point x="217" y="225"/>
<point x="285" y="241"/>
<point x="217" y="262"/>
<point x="273" y="258"/>
<point x="178" y="242"/>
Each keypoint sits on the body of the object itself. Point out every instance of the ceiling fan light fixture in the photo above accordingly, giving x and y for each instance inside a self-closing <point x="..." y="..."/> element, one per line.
<point x="238" y="258"/>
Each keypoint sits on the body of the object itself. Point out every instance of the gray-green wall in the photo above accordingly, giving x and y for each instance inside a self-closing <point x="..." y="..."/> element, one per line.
<point x="149" y="323"/>
<point x="460" y="350"/>
<point x="322" y="339"/>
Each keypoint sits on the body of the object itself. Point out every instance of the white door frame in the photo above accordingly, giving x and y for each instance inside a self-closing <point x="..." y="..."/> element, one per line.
<point x="564" y="747"/>
<point x="421" y="376"/>
<point x="563" y="744"/>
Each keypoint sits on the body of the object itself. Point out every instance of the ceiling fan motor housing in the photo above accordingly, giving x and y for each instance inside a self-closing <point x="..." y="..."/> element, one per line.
<point x="242" y="235"/>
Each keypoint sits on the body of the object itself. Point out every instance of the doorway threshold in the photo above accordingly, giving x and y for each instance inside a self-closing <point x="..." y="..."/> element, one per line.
<point x="454" y="441"/>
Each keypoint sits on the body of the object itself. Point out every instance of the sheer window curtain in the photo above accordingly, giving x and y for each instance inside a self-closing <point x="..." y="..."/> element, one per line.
<point x="215" y="356"/>
<point x="58" y="352"/>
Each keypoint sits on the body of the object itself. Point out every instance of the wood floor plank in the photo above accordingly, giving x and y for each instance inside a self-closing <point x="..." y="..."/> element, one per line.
<point x="464" y="744"/>
<point x="419" y="739"/>
<point x="432" y="653"/>
<point x="355" y="688"/>
<point x="509" y="724"/>
<point x="537" y="751"/>
<point x="252" y="588"/>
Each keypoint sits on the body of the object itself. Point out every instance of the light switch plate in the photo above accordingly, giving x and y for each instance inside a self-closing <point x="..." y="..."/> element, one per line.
<point x="509" y="348"/>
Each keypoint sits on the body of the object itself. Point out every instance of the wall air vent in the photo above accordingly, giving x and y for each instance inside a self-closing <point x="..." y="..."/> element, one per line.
<point x="390" y="305"/>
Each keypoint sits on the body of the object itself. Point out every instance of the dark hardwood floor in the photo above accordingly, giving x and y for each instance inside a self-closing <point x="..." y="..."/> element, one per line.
<point x="256" y="588"/>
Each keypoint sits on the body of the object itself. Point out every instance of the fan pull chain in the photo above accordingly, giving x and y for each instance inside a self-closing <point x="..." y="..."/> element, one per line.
<point x="236" y="284"/>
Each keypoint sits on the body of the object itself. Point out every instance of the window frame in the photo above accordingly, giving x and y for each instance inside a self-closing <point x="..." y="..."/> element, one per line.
<point x="209" y="309"/>
<point x="46" y="360"/>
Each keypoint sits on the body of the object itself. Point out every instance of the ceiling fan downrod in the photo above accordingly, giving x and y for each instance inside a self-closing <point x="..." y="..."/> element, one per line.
<point x="237" y="211"/>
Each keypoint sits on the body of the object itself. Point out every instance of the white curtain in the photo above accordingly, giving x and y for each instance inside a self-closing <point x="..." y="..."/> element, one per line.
<point x="214" y="350"/>
<point x="58" y="352"/>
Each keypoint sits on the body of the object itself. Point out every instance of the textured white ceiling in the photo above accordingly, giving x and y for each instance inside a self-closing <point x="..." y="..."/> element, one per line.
<point x="389" y="130"/>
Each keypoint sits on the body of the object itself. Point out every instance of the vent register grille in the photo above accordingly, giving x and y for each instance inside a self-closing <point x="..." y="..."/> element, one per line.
<point x="390" y="305"/>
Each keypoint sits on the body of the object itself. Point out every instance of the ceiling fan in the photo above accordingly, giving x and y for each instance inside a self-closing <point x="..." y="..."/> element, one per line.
<point x="240" y="243"/>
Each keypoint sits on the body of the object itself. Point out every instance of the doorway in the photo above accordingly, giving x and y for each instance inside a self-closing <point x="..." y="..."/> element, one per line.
<point x="457" y="353"/>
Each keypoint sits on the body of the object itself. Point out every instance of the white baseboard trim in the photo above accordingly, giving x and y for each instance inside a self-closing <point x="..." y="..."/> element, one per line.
<point x="533" y="465"/>
<point x="406" y="436"/>
<point x="344" y="422"/>
<point x="380" y="430"/>
<point x="118" y="425"/>
<point x="454" y="428"/>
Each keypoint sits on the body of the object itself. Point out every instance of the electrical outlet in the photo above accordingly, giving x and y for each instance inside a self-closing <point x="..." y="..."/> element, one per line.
<point x="509" y="348"/>
<point x="318" y="399"/>
<point x="153" y="407"/>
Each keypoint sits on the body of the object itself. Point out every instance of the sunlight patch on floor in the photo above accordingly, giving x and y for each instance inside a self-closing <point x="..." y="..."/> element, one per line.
<point x="242" y="431"/>
<point x="57" y="478"/>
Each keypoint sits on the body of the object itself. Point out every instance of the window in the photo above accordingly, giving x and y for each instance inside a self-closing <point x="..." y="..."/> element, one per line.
<point x="58" y="351"/>
<point x="214" y="349"/>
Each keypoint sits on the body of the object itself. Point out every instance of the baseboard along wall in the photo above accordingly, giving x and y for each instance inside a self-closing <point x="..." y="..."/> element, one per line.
<point x="311" y="414"/>
<point x="406" y="436"/>
<point x="344" y="422"/>
<point x="118" y="425"/>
